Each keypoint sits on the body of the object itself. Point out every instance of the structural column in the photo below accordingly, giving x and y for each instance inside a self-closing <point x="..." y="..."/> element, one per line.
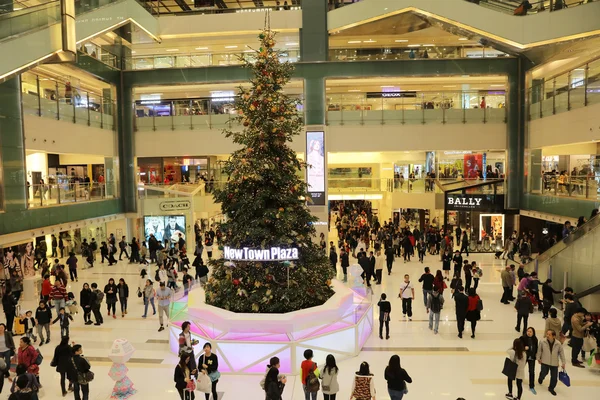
<point x="515" y="136"/>
<point x="127" y="174"/>
<point x="13" y="192"/>
<point x="314" y="37"/>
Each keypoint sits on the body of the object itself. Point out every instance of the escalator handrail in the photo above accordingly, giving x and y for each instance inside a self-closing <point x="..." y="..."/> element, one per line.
<point x="29" y="10"/>
<point x="587" y="292"/>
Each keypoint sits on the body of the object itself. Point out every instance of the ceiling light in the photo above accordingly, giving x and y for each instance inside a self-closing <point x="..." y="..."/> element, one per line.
<point x="354" y="90"/>
<point x="462" y="39"/>
<point x="354" y="41"/>
<point x="370" y="41"/>
<point x="231" y="47"/>
<point x="292" y="44"/>
<point x="132" y="51"/>
<point x="201" y="48"/>
<point x="428" y="45"/>
<point x="451" y="86"/>
<point x="327" y="88"/>
<point x="172" y="50"/>
<point x="579" y="69"/>
<point x="401" y="40"/>
<point x="477" y="88"/>
<point x="387" y="86"/>
<point x="414" y="45"/>
<point x="497" y="85"/>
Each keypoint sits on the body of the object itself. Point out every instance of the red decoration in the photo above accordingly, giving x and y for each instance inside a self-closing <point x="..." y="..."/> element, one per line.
<point x="236" y="282"/>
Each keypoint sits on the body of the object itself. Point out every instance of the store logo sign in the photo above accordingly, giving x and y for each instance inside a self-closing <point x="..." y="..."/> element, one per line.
<point x="272" y="254"/>
<point x="175" y="205"/>
<point x="464" y="202"/>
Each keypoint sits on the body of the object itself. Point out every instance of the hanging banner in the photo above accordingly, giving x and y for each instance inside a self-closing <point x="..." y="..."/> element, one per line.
<point x="315" y="169"/>
<point x="473" y="165"/>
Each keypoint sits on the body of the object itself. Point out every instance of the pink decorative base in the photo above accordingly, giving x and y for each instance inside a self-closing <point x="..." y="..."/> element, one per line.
<point x="244" y="343"/>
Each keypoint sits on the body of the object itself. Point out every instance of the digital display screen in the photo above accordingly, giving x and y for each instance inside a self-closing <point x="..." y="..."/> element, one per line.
<point x="164" y="227"/>
<point x="315" y="169"/>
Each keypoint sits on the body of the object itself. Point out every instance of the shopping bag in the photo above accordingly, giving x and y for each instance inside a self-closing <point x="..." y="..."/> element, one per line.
<point x="203" y="384"/>
<point x="591" y="358"/>
<point x="564" y="378"/>
<point x="510" y="368"/>
<point x="589" y="343"/>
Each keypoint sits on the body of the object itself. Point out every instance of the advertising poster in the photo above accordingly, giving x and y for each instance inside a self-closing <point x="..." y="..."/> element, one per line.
<point x="165" y="227"/>
<point x="315" y="170"/>
<point x="430" y="162"/>
<point x="473" y="164"/>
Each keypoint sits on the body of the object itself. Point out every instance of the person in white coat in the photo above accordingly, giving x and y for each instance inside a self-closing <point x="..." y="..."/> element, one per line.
<point x="549" y="354"/>
<point x="329" y="376"/>
<point x="517" y="355"/>
<point x="379" y="261"/>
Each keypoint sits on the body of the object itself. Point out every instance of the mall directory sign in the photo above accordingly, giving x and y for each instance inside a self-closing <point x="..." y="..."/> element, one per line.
<point x="315" y="168"/>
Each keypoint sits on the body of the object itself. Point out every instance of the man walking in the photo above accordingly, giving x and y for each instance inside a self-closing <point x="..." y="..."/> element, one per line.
<point x="378" y="266"/>
<point x="385" y="308"/>
<point x="163" y="294"/>
<point x="464" y="246"/>
<point x="54" y="246"/>
<point x="123" y="248"/>
<point x="43" y="317"/>
<point x="507" y="285"/>
<point x="427" y="279"/>
<point x="550" y="352"/>
<point x="333" y="259"/>
<point x="97" y="298"/>
<point x="523" y="307"/>
<point x="579" y="327"/>
<point x="389" y="258"/>
<point x="407" y="293"/>
<point x="345" y="263"/>
<point x="461" y="302"/>
<point x="435" y="303"/>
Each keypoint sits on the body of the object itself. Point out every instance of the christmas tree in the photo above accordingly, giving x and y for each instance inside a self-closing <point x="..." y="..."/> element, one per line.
<point x="264" y="201"/>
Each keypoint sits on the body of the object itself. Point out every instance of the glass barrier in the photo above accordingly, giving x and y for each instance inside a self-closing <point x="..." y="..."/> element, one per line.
<point x="510" y="7"/>
<point x="580" y="186"/>
<point x="573" y="89"/>
<point x="157" y="7"/>
<point x="44" y="195"/>
<point x="100" y="54"/>
<point x="48" y="98"/>
<point x="20" y="21"/>
<point x="417" y="108"/>
<point x="411" y="53"/>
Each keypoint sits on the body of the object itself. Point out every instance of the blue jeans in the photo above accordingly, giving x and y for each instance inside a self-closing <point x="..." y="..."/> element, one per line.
<point x="432" y="316"/>
<point x="59" y="303"/>
<point x="396" y="394"/>
<point x="146" y="301"/>
<point x="425" y="294"/>
<point x="308" y="395"/>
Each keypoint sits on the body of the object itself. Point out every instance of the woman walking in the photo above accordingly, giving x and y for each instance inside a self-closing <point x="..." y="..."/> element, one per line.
<point x="274" y="384"/>
<point x="548" y="293"/>
<point x="396" y="378"/>
<point x="530" y="343"/>
<point x="149" y="295"/>
<point x="518" y="356"/>
<point x="86" y="300"/>
<point x="474" y="310"/>
<point x="184" y="382"/>
<point x="330" y="378"/>
<point x="123" y="292"/>
<point x="81" y="367"/>
<point x="62" y="361"/>
<point x="110" y="290"/>
<point x="363" y="386"/>
<point x="210" y="365"/>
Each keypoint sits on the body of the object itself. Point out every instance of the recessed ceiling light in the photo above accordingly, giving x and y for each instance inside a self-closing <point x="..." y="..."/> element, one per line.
<point x="462" y="38"/>
<point x="370" y="41"/>
<point x="327" y="88"/>
<point x="476" y="88"/>
<point x="579" y="69"/>
<point x="292" y="44"/>
<point x="231" y="47"/>
<point x="387" y="86"/>
<point x="354" y="41"/>
<point x="451" y="86"/>
<point x="172" y="50"/>
<point x="497" y="85"/>
<point x="428" y="45"/>
<point x="401" y="40"/>
<point x="414" y="45"/>
<point x="354" y="90"/>
<point x="132" y="51"/>
<point x="201" y="48"/>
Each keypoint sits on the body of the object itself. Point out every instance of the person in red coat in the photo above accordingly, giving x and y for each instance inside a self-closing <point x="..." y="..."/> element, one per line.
<point x="27" y="355"/>
<point x="46" y="289"/>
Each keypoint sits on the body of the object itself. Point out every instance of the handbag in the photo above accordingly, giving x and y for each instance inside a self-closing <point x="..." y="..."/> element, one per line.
<point x="215" y="375"/>
<point x="479" y="305"/>
<point x="510" y="368"/>
<point x="139" y="292"/>
<point x="204" y="383"/>
<point x="83" y="378"/>
<point x="191" y="385"/>
<point x="589" y="343"/>
<point x="564" y="378"/>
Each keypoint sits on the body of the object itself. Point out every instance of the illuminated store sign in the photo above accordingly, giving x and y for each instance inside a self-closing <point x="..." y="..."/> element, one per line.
<point x="315" y="170"/>
<point x="475" y="202"/>
<point x="272" y="254"/>
<point x="390" y="95"/>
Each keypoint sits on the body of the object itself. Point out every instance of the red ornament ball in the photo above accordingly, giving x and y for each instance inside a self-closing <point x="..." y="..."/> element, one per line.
<point x="236" y="282"/>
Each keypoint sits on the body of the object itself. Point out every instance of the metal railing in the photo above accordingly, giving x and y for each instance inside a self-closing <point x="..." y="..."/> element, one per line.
<point x="45" y="195"/>
<point x="573" y="89"/>
<point x="509" y="6"/>
<point x="421" y="108"/>
<point x="187" y="7"/>
<point x="48" y="98"/>
<point x="23" y="19"/>
<point x="581" y="186"/>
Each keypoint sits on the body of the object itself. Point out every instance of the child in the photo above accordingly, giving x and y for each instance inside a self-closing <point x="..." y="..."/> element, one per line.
<point x="29" y="323"/>
<point x="172" y="278"/>
<point x="64" y="322"/>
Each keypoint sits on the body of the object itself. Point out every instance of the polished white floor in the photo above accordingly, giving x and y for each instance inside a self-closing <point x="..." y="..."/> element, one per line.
<point x="468" y="368"/>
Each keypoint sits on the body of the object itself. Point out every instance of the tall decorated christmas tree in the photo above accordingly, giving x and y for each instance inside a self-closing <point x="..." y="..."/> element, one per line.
<point x="264" y="201"/>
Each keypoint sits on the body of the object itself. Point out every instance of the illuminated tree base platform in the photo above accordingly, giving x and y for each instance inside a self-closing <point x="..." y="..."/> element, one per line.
<point x="245" y="342"/>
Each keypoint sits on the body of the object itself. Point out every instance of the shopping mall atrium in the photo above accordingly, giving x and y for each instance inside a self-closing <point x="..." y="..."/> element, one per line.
<point x="474" y="125"/>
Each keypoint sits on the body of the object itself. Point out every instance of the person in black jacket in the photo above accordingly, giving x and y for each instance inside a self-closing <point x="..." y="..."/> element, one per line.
<point x="364" y="263"/>
<point x="333" y="258"/>
<point x="344" y="262"/>
<point x="209" y="363"/>
<point x="80" y="366"/>
<point x="530" y="343"/>
<point x="389" y="258"/>
<point x="524" y="306"/>
<point x="548" y="294"/>
<point x="274" y="385"/>
<point x="461" y="302"/>
<point x="385" y="308"/>
<point x="63" y="353"/>
<point x="64" y="322"/>
<point x="182" y="376"/>
<point x="86" y="302"/>
<point x="396" y="378"/>
<point x="43" y="318"/>
<point x="110" y="290"/>
<point x="9" y="304"/>
<point x="123" y="292"/>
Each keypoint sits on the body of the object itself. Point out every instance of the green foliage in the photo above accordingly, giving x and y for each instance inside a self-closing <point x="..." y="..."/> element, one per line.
<point x="264" y="201"/>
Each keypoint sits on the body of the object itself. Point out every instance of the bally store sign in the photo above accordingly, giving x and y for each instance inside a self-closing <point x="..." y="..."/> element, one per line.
<point x="476" y="202"/>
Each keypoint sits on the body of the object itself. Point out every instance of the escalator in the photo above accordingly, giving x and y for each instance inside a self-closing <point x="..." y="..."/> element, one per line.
<point x="487" y="19"/>
<point x="573" y="262"/>
<point x="33" y="35"/>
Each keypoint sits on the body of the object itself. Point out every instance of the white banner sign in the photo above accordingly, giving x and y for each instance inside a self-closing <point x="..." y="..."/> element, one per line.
<point x="272" y="254"/>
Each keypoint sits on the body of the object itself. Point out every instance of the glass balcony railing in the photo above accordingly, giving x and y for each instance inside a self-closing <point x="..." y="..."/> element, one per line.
<point x="49" y="98"/>
<point x="45" y="195"/>
<point x="580" y="186"/>
<point x="20" y="18"/>
<point x="190" y="7"/>
<point x="509" y="7"/>
<point x="417" y="108"/>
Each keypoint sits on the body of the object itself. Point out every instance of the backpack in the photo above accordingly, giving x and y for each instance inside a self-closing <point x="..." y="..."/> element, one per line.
<point x="312" y="382"/>
<point x="156" y="276"/>
<point x="99" y="297"/>
<point x="436" y="305"/>
<point x="38" y="360"/>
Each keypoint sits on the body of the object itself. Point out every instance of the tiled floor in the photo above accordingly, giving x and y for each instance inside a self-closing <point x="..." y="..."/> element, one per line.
<point x="442" y="366"/>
